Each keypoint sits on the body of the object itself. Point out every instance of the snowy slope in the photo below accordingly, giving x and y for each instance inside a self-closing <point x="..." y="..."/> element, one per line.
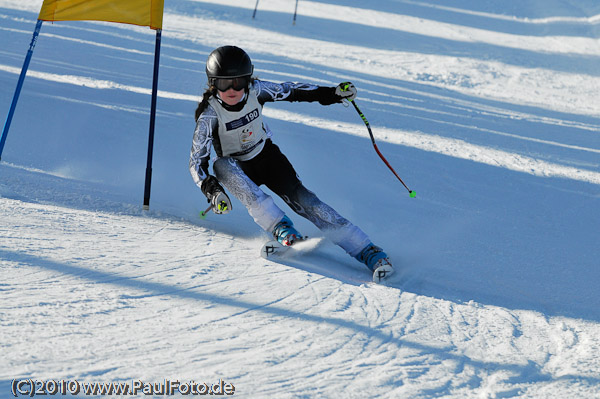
<point x="488" y="110"/>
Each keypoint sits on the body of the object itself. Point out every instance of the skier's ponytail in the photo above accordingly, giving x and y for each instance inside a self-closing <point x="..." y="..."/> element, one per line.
<point x="204" y="103"/>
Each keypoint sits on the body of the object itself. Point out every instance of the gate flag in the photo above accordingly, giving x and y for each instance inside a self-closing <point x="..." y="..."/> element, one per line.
<point x="136" y="12"/>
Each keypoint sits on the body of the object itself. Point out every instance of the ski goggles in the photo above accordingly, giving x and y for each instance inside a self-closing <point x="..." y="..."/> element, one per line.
<point x="224" y="84"/>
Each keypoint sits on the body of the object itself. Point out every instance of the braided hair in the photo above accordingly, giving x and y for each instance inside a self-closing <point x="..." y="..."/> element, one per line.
<point x="211" y="91"/>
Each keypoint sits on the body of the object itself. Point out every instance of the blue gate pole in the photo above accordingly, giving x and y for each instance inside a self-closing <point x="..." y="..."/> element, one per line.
<point x="295" y="12"/>
<point x="13" y="105"/>
<point x="148" y="182"/>
<point x="255" y="7"/>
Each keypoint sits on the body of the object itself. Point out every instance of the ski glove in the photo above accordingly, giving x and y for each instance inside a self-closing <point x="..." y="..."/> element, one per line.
<point x="346" y="91"/>
<point x="220" y="203"/>
<point x="215" y="194"/>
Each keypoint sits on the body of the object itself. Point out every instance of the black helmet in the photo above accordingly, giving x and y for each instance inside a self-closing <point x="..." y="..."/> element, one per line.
<point x="228" y="62"/>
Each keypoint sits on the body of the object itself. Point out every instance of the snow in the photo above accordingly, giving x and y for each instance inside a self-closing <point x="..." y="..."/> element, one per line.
<point x="488" y="110"/>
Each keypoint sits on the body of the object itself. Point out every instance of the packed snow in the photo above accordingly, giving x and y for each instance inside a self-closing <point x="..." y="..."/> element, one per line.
<point x="488" y="110"/>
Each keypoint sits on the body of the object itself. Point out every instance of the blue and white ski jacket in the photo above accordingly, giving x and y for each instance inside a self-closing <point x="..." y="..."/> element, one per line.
<point x="206" y="134"/>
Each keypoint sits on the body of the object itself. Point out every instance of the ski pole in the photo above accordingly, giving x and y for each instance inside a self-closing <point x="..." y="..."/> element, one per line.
<point x="411" y="192"/>
<point x="221" y="207"/>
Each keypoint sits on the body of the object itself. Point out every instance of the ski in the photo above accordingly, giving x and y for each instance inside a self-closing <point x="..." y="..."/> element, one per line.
<point x="382" y="273"/>
<point x="272" y="247"/>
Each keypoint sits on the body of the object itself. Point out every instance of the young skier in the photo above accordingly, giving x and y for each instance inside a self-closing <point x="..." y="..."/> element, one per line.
<point x="229" y="118"/>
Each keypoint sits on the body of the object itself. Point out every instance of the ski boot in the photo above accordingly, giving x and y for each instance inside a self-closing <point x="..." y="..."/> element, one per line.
<point x="377" y="261"/>
<point x="285" y="233"/>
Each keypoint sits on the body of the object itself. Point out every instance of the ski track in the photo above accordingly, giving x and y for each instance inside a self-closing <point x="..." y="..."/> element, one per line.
<point x="84" y="281"/>
<point x="95" y="289"/>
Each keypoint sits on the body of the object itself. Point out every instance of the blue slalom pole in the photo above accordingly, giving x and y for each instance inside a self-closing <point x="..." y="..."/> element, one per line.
<point x="295" y="12"/>
<point x="13" y="105"/>
<point x="148" y="182"/>
<point x="255" y="7"/>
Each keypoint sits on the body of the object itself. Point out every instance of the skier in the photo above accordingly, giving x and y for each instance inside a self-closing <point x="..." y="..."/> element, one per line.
<point x="229" y="118"/>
